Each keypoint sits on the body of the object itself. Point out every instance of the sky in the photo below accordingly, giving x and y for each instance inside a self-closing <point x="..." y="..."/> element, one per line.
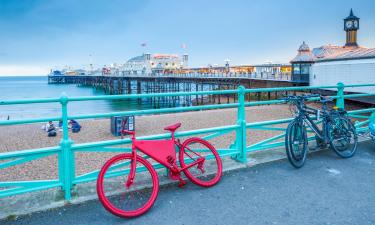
<point x="37" y="35"/>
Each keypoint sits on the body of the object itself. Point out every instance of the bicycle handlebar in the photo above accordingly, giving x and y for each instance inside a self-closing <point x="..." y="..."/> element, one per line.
<point x="123" y="131"/>
<point x="322" y="99"/>
<point x="299" y="97"/>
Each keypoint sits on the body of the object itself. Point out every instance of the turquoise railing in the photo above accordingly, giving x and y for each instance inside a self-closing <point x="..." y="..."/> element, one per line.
<point x="238" y="150"/>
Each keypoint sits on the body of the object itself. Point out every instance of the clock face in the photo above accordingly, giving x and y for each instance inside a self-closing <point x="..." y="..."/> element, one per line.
<point x="349" y="24"/>
<point x="355" y="23"/>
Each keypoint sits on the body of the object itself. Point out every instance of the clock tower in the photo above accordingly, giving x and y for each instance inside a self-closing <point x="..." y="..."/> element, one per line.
<point x="351" y="25"/>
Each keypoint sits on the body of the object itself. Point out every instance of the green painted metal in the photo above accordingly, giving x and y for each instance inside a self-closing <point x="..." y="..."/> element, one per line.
<point x="155" y="111"/>
<point x="241" y="122"/>
<point x="65" y="152"/>
<point x="37" y="120"/>
<point x="372" y="117"/>
<point x="21" y="190"/>
<point x="340" y="101"/>
<point x="67" y="157"/>
<point x="262" y="143"/>
<point x="22" y="160"/>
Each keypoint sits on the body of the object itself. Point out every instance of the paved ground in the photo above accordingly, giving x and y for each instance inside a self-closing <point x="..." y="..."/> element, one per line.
<point x="328" y="190"/>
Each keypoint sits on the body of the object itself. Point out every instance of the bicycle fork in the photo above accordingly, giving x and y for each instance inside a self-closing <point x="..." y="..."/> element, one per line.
<point x="133" y="168"/>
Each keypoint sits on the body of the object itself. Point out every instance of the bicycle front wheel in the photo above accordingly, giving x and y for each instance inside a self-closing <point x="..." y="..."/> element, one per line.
<point x="205" y="173"/>
<point x="342" y="136"/>
<point x="121" y="200"/>
<point x="296" y="143"/>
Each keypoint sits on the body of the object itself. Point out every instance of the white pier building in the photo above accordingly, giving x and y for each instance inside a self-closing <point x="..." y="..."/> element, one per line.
<point x="154" y="64"/>
<point x="330" y="64"/>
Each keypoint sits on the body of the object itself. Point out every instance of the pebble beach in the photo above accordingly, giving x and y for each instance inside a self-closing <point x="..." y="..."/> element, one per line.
<point x="31" y="136"/>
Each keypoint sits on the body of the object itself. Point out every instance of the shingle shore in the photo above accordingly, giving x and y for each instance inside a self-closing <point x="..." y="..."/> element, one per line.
<point x="29" y="136"/>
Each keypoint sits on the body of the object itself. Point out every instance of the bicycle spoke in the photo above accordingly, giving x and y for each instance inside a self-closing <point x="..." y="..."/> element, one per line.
<point x="196" y="166"/>
<point x="120" y="198"/>
<point x="343" y="137"/>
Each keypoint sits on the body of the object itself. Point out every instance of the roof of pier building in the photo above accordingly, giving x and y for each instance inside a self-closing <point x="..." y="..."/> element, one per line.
<point x="304" y="54"/>
<point x="139" y="58"/>
<point x="332" y="53"/>
<point x="142" y="58"/>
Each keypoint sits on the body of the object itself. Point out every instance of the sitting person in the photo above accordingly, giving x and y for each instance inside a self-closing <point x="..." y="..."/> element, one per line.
<point x="76" y="127"/>
<point x="51" y="129"/>
<point x="48" y="125"/>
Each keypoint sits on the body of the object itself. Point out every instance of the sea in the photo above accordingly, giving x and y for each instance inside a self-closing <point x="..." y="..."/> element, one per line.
<point x="31" y="87"/>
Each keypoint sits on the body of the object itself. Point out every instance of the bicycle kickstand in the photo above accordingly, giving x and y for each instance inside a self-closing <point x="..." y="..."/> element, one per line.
<point x="181" y="183"/>
<point x="175" y="175"/>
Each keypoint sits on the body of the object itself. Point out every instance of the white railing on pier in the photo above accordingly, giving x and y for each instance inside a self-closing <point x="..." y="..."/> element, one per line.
<point x="258" y="76"/>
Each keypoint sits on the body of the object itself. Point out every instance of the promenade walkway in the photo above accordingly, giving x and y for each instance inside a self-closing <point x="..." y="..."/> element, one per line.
<point x="328" y="190"/>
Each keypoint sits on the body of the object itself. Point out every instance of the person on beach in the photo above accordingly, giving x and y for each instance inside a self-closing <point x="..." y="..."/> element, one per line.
<point x="76" y="127"/>
<point x="48" y="125"/>
<point x="51" y="129"/>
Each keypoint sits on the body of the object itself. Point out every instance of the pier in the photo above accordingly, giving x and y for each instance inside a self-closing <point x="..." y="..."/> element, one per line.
<point x="156" y="83"/>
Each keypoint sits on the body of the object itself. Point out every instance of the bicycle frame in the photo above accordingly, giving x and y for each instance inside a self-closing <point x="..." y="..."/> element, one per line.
<point x="162" y="151"/>
<point x="304" y="115"/>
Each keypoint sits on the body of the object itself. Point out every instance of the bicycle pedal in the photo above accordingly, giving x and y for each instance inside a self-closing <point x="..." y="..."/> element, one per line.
<point x="182" y="183"/>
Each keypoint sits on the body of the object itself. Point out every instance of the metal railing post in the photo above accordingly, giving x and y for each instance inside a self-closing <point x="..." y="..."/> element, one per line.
<point x="241" y="131"/>
<point x="340" y="102"/>
<point x="66" y="157"/>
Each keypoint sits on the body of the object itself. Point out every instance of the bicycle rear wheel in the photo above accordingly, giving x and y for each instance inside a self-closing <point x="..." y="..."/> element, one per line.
<point x="343" y="137"/>
<point x="209" y="171"/>
<point x="296" y="143"/>
<point x="121" y="200"/>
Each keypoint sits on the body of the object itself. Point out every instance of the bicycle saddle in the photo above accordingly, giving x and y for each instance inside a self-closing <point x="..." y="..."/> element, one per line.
<point x="173" y="127"/>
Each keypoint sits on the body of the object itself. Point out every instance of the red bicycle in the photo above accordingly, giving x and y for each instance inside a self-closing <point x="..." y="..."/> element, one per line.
<point x="125" y="194"/>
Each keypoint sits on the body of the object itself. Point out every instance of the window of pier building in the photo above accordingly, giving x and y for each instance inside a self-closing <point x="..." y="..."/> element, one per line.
<point x="305" y="69"/>
<point x="296" y="69"/>
<point x="301" y="68"/>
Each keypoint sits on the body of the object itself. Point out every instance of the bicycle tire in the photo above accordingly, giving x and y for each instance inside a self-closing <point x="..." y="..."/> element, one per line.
<point x="199" y="177"/>
<point x="340" y="132"/>
<point x="295" y="160"/>
<point x="106" y="200"/>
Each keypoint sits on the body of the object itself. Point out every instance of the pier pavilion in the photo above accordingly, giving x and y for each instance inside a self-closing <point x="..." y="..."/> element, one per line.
<point x="153" y="63"/>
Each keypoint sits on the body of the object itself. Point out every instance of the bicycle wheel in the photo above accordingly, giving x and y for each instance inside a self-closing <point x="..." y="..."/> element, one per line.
<point x="121" y="200"/>
<point x="207" y="173"/>
<point x="296" y="143"/>
<point x="342" y="136"/>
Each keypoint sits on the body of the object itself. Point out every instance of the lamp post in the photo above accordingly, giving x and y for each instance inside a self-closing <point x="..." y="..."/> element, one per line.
<point x="227" y="65"/>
